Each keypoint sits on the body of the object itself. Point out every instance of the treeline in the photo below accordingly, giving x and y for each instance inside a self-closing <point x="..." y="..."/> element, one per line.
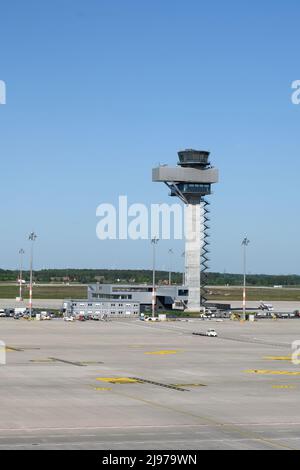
<point x="267" y="280"/>
<point x="144" y="276"/>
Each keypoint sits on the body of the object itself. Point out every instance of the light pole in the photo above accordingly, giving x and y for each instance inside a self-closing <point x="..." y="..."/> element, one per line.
<point x="245" y="243"/>
<point x="21" y="253"/>
<point x="171" y="252"/>
<point x="154" y="242"/>
<point x="183" y="273"/>
<point x="32" y="237"/>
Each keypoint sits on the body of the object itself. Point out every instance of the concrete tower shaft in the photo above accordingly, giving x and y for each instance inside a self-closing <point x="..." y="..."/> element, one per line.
<point x="191" y="181"/>
<point x="194" y="220"/>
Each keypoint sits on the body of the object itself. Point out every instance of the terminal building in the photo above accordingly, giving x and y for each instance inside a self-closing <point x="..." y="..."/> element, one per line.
<point x="115" y="300"/>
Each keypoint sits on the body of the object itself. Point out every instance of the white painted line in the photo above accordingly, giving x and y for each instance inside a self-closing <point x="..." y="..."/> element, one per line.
<point x="167" y="426"/>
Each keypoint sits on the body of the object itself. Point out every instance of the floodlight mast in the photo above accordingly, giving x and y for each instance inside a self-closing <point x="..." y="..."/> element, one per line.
<point x="191" y="182"/>
<point x="21" y="253"/>
<point x="245" y="243"/>
<point x="32" y="237"/>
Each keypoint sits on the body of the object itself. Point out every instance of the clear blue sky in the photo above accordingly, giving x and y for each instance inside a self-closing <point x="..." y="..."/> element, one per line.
<point x="100" y="91"/>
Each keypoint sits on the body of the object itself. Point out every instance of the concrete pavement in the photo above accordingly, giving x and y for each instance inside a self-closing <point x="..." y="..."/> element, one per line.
<point x="130" y="384"/>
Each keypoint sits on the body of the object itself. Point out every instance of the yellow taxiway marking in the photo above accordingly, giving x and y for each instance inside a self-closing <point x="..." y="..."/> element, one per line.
<point x="117" y="380"/>
<point x="161" y="353"/>
<point x="278" y="358"/>
<point x="102" y="389"/>
<point x="271" y="372"/>
<point x="8" y="349"/>
<point x="284" y="387"/>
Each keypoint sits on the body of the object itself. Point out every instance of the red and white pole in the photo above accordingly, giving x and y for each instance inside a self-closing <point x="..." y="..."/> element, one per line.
<point x="154" y="242"/>
<point x="30" y="299"/>
<point x="153" y="301"/>
<point x="244" y="302"/>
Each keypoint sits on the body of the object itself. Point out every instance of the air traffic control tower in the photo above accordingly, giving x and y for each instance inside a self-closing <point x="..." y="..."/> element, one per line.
<point x="191" y="181"/>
